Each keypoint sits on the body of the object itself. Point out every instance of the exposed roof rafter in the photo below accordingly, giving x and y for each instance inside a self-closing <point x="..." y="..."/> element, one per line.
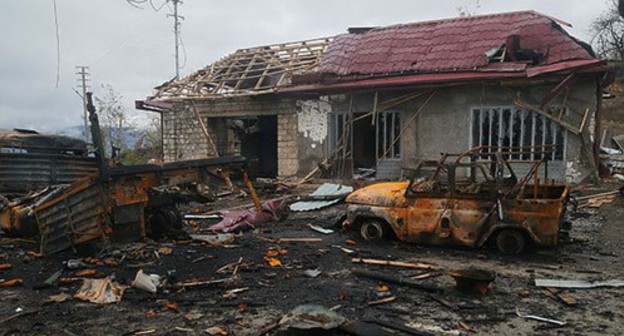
<point x="247" y="72"/>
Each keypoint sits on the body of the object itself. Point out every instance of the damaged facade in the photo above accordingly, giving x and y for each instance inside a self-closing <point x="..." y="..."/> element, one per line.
<point x="387" y="98"/>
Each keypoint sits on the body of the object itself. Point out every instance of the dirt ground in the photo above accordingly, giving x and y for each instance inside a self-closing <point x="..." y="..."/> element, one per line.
<point x="593" y="252"/>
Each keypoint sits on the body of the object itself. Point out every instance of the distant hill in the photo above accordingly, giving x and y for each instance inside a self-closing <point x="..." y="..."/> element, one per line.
<point x="131" y="134"/>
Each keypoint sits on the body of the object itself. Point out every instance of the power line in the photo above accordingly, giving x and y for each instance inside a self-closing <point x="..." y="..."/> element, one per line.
<point x="151" y="2"/>
<point x="176" y="25"/>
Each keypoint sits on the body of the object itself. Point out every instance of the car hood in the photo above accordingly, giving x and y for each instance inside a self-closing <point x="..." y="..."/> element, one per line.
<point x="388" y="194"/>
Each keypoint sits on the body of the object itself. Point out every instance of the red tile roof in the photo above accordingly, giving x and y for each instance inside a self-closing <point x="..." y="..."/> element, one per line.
<point x="451" y="45"/>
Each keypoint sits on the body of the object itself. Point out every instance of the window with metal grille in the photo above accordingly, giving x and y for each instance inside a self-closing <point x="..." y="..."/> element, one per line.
<point x="513" y="127"/>
<point x="388" y="131"/>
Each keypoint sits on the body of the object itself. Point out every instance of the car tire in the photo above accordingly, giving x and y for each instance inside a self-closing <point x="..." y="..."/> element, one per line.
<point x="510" y="241"/>
<point x="372" y="230"/>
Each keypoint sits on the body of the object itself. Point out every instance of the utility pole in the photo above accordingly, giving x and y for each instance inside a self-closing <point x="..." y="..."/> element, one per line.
<point x="176" y="31"/>
<point x="83" y="87"/>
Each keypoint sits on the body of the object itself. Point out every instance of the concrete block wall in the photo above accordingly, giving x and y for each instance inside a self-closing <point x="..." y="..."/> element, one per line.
<point x="287" y="145"/>
<point x="183" y="138"/>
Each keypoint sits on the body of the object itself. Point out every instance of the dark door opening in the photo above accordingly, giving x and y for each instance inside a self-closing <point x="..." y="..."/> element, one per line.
<point x="259" y="145"/>
<point x="363" y="144"/>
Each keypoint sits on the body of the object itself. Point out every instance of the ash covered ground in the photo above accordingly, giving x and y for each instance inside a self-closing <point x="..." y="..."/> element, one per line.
<point x="267" y="292"/>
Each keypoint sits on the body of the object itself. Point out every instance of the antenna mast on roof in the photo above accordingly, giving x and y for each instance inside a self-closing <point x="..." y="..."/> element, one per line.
<point x="176" y="24"/>
<point x="176" y="32"/>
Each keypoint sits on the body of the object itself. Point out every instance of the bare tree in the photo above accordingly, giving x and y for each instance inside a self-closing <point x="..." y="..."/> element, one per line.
<point x="608" y="33"/>
<point x="153" y="139"/>
<point x="112" y="118"/>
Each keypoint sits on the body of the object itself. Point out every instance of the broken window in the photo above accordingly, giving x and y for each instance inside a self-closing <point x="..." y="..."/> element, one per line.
<point x="513" y="127"/>
<point x="388" y="131"/>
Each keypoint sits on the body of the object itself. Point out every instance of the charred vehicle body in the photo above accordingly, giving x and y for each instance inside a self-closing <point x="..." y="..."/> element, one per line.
<point x="124" y="203"/>
<point x="466" y="199"/>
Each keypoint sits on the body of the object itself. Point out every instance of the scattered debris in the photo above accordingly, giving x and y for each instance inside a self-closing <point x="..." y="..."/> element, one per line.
<point x="102" y="291"/>
<point x="473" y="280"/>
<point x="578" y="284"/>
<point x="75" y="264"/>
<point x="382" y="301"/>
<point x="60" y="297"/>
<point x="312" y="273"/>
<point x="598" y="200"/>
<point x="212" y="216"/>
<point x="396" y="280"/>
<point x="320" y="229"/>
<point x="393" y="263"/>
<point x="400" y="327"/>
<point x="524" y="293"/>
<point x="426" y="275"/>
<point x="248" y="219"/>
<point x="311" y="318"/>
<point x="215" y="240"/>
<point x="300" y="240"/>
<point x="556" y="295"/>
<point x="12" y="282"/>
<point x="217" y="331"/>
<point x="192" y="284"/>
<point x="146" y="282"/>
<point x="541" y="319"/>
<point x="463" y="325"/>
<point x="85" y="273"/>
<point x="326" y="195"/>
<point x="165" y="250"/>
<point x="273" y="262"/>
<point x="359" y="328"/>
<point x="230" y="294"/>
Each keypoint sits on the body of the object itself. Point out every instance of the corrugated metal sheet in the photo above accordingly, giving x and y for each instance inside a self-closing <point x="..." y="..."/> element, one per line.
<point x="457" y="44"/>
<point x="76" y="217"/>
<point x="21" y="173"/>
<point x="326" y="190"/>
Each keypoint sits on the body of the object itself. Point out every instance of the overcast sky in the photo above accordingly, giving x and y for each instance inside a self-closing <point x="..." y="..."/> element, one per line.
<point x="132" y="49"/>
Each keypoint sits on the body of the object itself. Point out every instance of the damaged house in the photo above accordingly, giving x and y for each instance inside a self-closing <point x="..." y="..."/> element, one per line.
<point x="387" y="98"/>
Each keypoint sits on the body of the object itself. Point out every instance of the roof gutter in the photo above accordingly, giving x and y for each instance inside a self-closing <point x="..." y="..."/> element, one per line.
<point x="153" y="106"/>
<point x="445" y="78"/>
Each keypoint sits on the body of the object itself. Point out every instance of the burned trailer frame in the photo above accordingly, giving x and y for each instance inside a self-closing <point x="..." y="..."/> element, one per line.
<point x="442" y="209"/>
<point x="119" y="204"/>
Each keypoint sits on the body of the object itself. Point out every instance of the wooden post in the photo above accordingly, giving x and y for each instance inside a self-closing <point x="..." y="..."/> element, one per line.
<point x="205" y="130"/>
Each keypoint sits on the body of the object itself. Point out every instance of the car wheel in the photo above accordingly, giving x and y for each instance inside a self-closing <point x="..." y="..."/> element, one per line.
<point x="372" y="230"/>
<point x="510" y="241"/>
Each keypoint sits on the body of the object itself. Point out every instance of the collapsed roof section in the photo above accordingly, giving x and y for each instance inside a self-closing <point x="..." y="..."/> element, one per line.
<point x="247" y="72"/>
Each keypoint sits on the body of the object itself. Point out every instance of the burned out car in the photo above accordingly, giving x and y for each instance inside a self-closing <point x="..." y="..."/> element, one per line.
<point x="467" y="199"/>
